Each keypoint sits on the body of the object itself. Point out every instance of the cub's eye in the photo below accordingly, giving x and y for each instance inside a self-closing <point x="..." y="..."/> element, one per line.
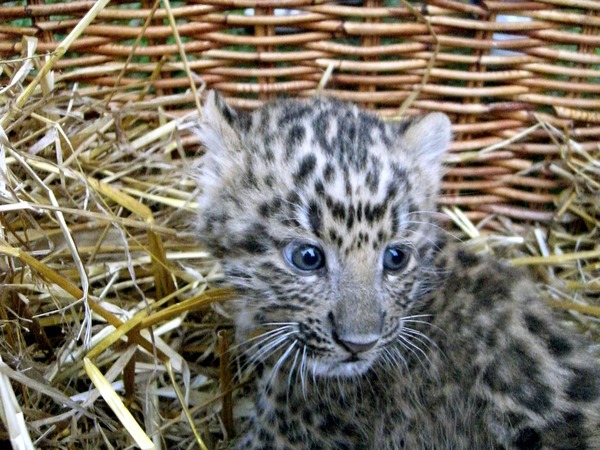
<point x="305" y="257"/>
<point x="395" y="258"/>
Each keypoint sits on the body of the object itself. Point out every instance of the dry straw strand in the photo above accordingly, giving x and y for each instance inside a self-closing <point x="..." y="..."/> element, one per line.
<point x="12" y="415"/>
<point x="117" y="406"/>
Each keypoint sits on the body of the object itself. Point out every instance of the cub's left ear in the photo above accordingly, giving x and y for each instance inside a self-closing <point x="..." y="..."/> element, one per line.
<point x="428" y="137"/>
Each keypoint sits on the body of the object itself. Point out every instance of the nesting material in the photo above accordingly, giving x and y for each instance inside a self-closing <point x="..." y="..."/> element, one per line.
<point x="107" y="329"/>
<point x="107" y="332"/>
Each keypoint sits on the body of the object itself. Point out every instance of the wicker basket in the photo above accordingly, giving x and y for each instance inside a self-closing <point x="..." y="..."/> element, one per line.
<point x="496" y="67"/>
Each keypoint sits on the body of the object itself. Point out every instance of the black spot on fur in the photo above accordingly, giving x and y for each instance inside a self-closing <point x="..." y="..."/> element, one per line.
<point x="528" y="439"/>
<point x="295" y="437"/>
<point x="267" y="209"/>
<point x="236" y="273"/>
<point x="568" y="432"/>
<point x="314" y="218"/>
<point x="283" y="427"/>
<point x="244" y="121"/>
<point x="400" y="175"/>
<point x="379" y="211"/>
<point x="265" y="438"/>
<point x="264" y="209"/>
<point x="365" y="138"/>
<point x="395" y="215"/>
<point x="294" y="139"/>
<point x="347" y="185"/>
<point x="269" y="155"/>
<point x="372" y="179"/>
<point x="291" y="222"/>
<point x="338" y="210"/>
<point x="308" y="417"/>
<point x="518" y="377"/>
<point x="253" y="244"/>
<point x="293" y="199"/>
<point x="556" y="344"/>
<point x="272" y="269"/>
<point x="365" y="238"/>
<point x="347" y="136"/>
<point x="489" y="288"/>
<point x="249" y="178"/>
<point x="390" y="191"/>
<point x="534" y="324"/>
<point x="350" y="218"/>
<point x="276" y="204"/>
<point x="305" y="169"/>
<point x="559" y="345"/>
<point x="584" y="385"/>
<point x="267" y="140"/>
<point x="287" y="306"/>
<point x="467" y="259"/>
<point x="490" y="338"/>
<point x="530" y="392"/>
<point x="328" y="423"/>
<point x="320" y="125"/>
<point x="265" y="120"/>
<point x="515" y="419"/>
<point x="413" y="208"/>
<point x="295" y="112"/>
<point x="359" y="212"/>
<point x="328" y="173"/>
<point x="269" y="180"/>
<point x="319" y="188"/>
<point x="333" y="235"/>
<point x="368" y="213"/>
<point x="255" y="240"/>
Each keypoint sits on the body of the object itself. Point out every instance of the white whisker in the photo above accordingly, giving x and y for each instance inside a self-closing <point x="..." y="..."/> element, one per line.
<point x="280" y="361"/>
<point x="414" y="349"/>
<point x="267" y="335"/>
<point x="292" y="368"/>
<point x="265" y="351"/>
<point x="303" y="372"/>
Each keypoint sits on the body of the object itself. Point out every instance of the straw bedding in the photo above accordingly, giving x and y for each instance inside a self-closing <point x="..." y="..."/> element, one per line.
<point x="107" y="332"/>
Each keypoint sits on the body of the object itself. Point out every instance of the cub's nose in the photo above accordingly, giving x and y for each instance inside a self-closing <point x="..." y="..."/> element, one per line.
<point x="357" y="344"/>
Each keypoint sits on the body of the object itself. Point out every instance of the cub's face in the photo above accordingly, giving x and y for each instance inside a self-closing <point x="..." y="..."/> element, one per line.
<point x="322" y="218"/>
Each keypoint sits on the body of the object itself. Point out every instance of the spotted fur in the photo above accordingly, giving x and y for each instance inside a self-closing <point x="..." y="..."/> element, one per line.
<point x="451" y="351"/>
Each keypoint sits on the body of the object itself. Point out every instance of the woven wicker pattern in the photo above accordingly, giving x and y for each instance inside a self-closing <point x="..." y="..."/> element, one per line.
<point x="496" y="67"/>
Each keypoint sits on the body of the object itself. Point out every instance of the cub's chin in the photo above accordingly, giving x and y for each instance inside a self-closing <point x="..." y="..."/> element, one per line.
<point x="348" y="368"/>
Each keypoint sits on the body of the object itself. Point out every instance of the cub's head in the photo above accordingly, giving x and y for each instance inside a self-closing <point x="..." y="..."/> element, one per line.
<point x="322" y="217"/>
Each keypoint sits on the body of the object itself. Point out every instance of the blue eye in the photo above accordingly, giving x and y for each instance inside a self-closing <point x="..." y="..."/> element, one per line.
<point x="305" y="257"/>
<point x="395" y="258"/>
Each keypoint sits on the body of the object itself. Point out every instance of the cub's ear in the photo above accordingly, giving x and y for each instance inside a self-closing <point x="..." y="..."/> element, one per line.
<point x="428" y="138"/>
<point x="216" y="112"/>
<point x="217" y="131"/>
<point x="218" y="126"/>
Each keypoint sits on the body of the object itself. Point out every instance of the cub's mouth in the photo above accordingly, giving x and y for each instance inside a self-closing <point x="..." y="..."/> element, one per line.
<point x="352" y="359"/>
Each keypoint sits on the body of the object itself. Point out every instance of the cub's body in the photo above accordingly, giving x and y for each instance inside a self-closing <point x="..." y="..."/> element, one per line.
<point x="368" y="328"/>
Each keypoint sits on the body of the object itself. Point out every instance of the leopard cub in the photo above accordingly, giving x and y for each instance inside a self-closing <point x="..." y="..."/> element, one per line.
<point x="369" y="330"/>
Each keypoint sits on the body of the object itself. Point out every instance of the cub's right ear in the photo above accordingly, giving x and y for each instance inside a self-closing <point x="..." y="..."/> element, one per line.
<point x="221" y="160"/>
<point x="217" y="130"/>
<point x="217" y="112"/>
